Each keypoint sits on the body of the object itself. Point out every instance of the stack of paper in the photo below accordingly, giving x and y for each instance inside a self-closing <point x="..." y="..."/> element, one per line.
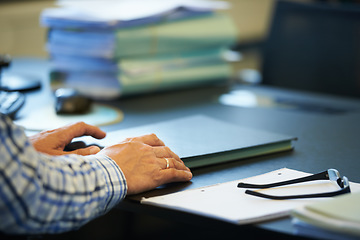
<point x="111" y="48"/>
<point x="338" y="218"/>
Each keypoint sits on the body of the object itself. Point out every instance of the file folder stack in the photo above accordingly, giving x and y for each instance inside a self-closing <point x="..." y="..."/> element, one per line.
<point x="112" y="48"/>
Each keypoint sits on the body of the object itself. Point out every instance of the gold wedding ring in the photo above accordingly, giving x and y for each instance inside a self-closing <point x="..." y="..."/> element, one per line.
<point x="167" y="163"/>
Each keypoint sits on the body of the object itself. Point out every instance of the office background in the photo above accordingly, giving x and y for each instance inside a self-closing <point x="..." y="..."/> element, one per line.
<point x="22" y="35"/>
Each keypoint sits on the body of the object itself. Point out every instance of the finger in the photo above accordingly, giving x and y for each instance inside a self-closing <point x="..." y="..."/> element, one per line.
<point x="173" y="163"/>
<point x="149" y="139"/>
<point x="85" y="151"/>
<point x="178" y="165"/>
<point x="82" y="129"/>
<point x="164" y="151"/>
<point x="175" y="175"/>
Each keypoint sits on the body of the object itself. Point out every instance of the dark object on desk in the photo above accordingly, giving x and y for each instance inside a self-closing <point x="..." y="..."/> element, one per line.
<point x="4" y="61"/>
<point x="15" y="82"/>
<point x="314" y="47"/>
<point x="77" y="145"/>
<point x="69" y="101"/>
<point x="11" y="102"/>
<point x="12" y="82"/>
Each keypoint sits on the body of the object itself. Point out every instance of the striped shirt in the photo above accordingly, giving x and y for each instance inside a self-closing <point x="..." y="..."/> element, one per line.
<point x="40" y="193"/>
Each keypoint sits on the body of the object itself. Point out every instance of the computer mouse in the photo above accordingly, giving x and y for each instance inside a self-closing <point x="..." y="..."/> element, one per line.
<point x="69" y="101"/>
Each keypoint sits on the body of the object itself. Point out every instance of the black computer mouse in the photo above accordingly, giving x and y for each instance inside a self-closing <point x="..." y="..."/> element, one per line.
<point x="69" y="101"/>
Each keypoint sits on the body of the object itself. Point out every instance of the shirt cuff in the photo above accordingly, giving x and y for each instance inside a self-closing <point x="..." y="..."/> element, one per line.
<point x="117" y="185"/>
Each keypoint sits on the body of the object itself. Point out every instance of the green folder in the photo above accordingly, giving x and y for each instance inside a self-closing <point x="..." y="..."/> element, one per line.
<point x="212" y="31"/>
<point x="172" y="71"/>
<point x="138" y="75"/>
<point x="200" y="140"/>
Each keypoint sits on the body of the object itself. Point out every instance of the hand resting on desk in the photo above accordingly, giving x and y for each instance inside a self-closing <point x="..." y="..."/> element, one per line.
<point x="145" y="161"/>
<point x="142" y="159"/>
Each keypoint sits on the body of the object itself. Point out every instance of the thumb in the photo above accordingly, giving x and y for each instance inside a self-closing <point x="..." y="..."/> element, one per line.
<point x="86" y="151"/>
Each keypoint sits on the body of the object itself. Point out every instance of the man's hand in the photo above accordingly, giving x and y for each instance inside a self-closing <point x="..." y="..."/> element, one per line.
<point x="54" y="141"/>
<point x="144" y="160"/>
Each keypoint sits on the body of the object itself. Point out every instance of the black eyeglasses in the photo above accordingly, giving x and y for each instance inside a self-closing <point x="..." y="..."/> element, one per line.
<point x="331" y="174"/>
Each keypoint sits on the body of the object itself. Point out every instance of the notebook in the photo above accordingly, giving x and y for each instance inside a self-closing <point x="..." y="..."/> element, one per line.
<point x="200" y="140"/>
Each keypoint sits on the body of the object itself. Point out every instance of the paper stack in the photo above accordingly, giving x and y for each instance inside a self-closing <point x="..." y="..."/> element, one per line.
<point x="337" y="218"/>
<point x="106" y="49"/>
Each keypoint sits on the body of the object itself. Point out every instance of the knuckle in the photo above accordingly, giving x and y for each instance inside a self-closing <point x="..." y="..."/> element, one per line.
<point x="153" y="135"/>
<point x="80" y="125"/>
<point x="147" y="147"/>
<point x="167" y="149"/>
<point x="128" y="139"/>
<point x="133" y="144"/>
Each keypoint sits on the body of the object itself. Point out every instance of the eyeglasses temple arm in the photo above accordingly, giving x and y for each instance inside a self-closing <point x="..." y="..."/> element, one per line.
<point x="319" y="176"/>
<point x="316" y="195"/>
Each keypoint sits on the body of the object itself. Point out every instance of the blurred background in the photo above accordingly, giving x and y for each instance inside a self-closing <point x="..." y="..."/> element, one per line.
<point x="23" y="36"/>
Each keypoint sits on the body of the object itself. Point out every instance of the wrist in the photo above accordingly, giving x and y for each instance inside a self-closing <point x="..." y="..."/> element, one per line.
<point x="115" y="177"/>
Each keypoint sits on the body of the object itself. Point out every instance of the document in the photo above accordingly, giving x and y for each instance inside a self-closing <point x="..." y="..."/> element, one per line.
<point x="200" y="140"/>
<point x="228" y="203"/>
<point x="341" y="215"/>
<point x="89" y="14"/>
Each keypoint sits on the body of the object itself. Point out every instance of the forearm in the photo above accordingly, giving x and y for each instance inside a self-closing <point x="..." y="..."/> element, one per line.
<point x="60" y="196"/>
<point x="45" y="194"/>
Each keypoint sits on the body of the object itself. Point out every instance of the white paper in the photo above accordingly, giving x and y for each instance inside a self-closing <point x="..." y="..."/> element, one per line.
<point x="126" y="10"/>
<point x="227" y="202"/>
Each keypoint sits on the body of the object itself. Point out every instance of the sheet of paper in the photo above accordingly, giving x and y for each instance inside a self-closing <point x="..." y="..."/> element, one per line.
<point x="227" y="202"/>
<point x="130" y="10"/>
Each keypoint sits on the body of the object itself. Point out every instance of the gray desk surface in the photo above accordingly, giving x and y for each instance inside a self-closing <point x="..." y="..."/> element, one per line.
<point x="327" y="139"/>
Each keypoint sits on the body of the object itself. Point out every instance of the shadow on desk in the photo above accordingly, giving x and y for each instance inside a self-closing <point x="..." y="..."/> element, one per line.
<point x="119" y="224"/>
<point x="174" y="99"/>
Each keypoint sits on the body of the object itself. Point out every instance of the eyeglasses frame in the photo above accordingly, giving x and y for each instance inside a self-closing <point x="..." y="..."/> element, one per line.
<point x="330" y="174"/>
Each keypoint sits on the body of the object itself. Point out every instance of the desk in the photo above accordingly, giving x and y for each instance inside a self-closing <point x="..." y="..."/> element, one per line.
<point x="326" y="140"/>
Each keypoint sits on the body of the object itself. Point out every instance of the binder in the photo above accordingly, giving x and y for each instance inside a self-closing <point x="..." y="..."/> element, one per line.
<point x="200" y="140"/>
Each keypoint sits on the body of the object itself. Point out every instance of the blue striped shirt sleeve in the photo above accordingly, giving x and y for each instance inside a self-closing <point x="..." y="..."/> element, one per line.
<point x="52" y="194"/>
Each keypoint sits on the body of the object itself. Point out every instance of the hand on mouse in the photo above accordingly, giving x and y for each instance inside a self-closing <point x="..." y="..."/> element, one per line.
<point x="54" y="141"/>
